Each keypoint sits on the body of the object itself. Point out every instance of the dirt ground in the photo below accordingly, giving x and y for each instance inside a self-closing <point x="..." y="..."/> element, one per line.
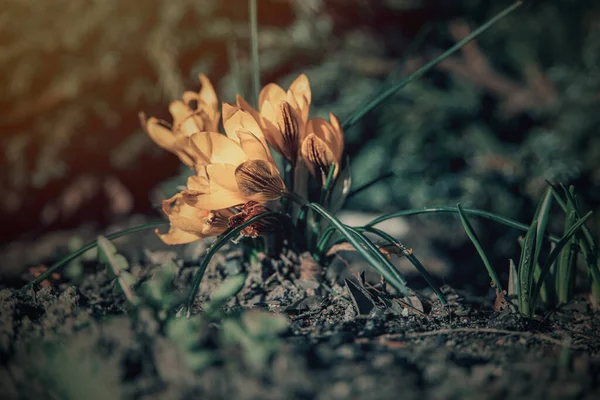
<point x="346" y="339"/>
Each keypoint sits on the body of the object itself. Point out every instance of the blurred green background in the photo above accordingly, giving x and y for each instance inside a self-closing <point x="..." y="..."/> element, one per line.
<point x="486" y="128"/>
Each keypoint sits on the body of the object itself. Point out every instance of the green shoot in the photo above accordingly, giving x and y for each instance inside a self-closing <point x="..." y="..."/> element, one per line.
<point x="532" y="244"/>
<point x="475" y="240"/>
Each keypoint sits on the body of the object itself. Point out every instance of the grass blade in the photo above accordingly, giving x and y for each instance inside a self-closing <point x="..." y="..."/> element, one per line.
<point x="413" y="259"/>
<point x="475" y="240"/>
<point x="70" y="257"/>
<point x="369" y="184"/>
<point x="216" y="246"/>
<point x="556" y="251"/>
<point x="532" y="245"/>
<point x="585" y="238"/>
<point x="469" y="211"/>
<point x="254" y="49"/>
<point x="371" y="253"/>
<point x="566" y="262"/>
<point x="513" y="279"/>
<point x="358" y="114"/>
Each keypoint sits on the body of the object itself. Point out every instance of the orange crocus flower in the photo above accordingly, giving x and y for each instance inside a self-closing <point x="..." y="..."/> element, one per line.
<point x="282" y="115"/>
<point x="188" y="224"/>
<point x="196" y="113"/>
<point x="323" y="146"/>
<point x="233" y="169"/>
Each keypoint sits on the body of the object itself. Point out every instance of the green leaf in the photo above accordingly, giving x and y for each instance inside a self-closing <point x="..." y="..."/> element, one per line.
<point x="117" y="266"/>
<point x="475" y="240"/>
<point x="566" y="264"/>
<point x="252" y="10"/>
<point x="358" y="114"/>
<point x="264" y="325"/>
<point x="226" y="290"/>
<point x="469" y="211"/>
<point x="91" y="245"/>
<point x="555" y="252"/>
<point x="413" y="259"/>
<point x="513" y="279"/>
<point x="216" y="246"/>
<point x="366" y="249"/>
<point x="532" y="244"/>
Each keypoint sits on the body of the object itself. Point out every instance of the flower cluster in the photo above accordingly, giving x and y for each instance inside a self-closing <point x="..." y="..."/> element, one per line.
<point x="235" y="174"/>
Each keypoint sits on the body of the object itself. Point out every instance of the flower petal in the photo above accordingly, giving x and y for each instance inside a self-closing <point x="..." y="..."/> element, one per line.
<point x="301" y="88"/>
<point x="318" y="157"/>
<point x="272" y="133"/>
<point x="207" y="94"/>
<point x="252" y="146"/>
<point x="270" y="93"/>
<point x="259" y="181"/>
<point x="302" y="93"/>
<point x="326" y="132"/>
<point x="212" y="147"/>
<point x="223" y="189"/>
<point x="177" y="236"/>
<point x="158" y="132"/>
<point x="186" y="120"/>
<point x="339" y="133"/>
<point x="235" y="118"/>
<point x="198" y="182"/>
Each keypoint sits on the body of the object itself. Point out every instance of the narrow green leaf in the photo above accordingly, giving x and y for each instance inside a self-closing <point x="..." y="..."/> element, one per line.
<point x="566" y="263"/>
<point x="371" y="253"/>
<point x="70" y="257"/>
<point x="532" y="245"/>
<point x="216" y="246"/>
<point x="469" y="211"/>
<point x="525" y="268"/>
<point x="586" y="240"/>
<point x="413" y="259"/>
<point x="358" y="114"/>
<point x="475" y="240"/>
<point x="369" y="184"/>
<point x="556" y="251"/>
<point x="254" y="46"/>
<point x="513" y="279"/>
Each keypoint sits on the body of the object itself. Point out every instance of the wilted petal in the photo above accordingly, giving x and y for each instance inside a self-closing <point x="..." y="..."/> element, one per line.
<point x="259" y="180"/>
<point x="212" y="147"/>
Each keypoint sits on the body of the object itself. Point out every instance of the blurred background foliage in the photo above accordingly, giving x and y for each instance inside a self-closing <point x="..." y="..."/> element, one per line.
<point x="486" y="128"/>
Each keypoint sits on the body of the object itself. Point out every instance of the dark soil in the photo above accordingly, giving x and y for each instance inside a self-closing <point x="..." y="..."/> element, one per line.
<point x="81" y="339"/>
